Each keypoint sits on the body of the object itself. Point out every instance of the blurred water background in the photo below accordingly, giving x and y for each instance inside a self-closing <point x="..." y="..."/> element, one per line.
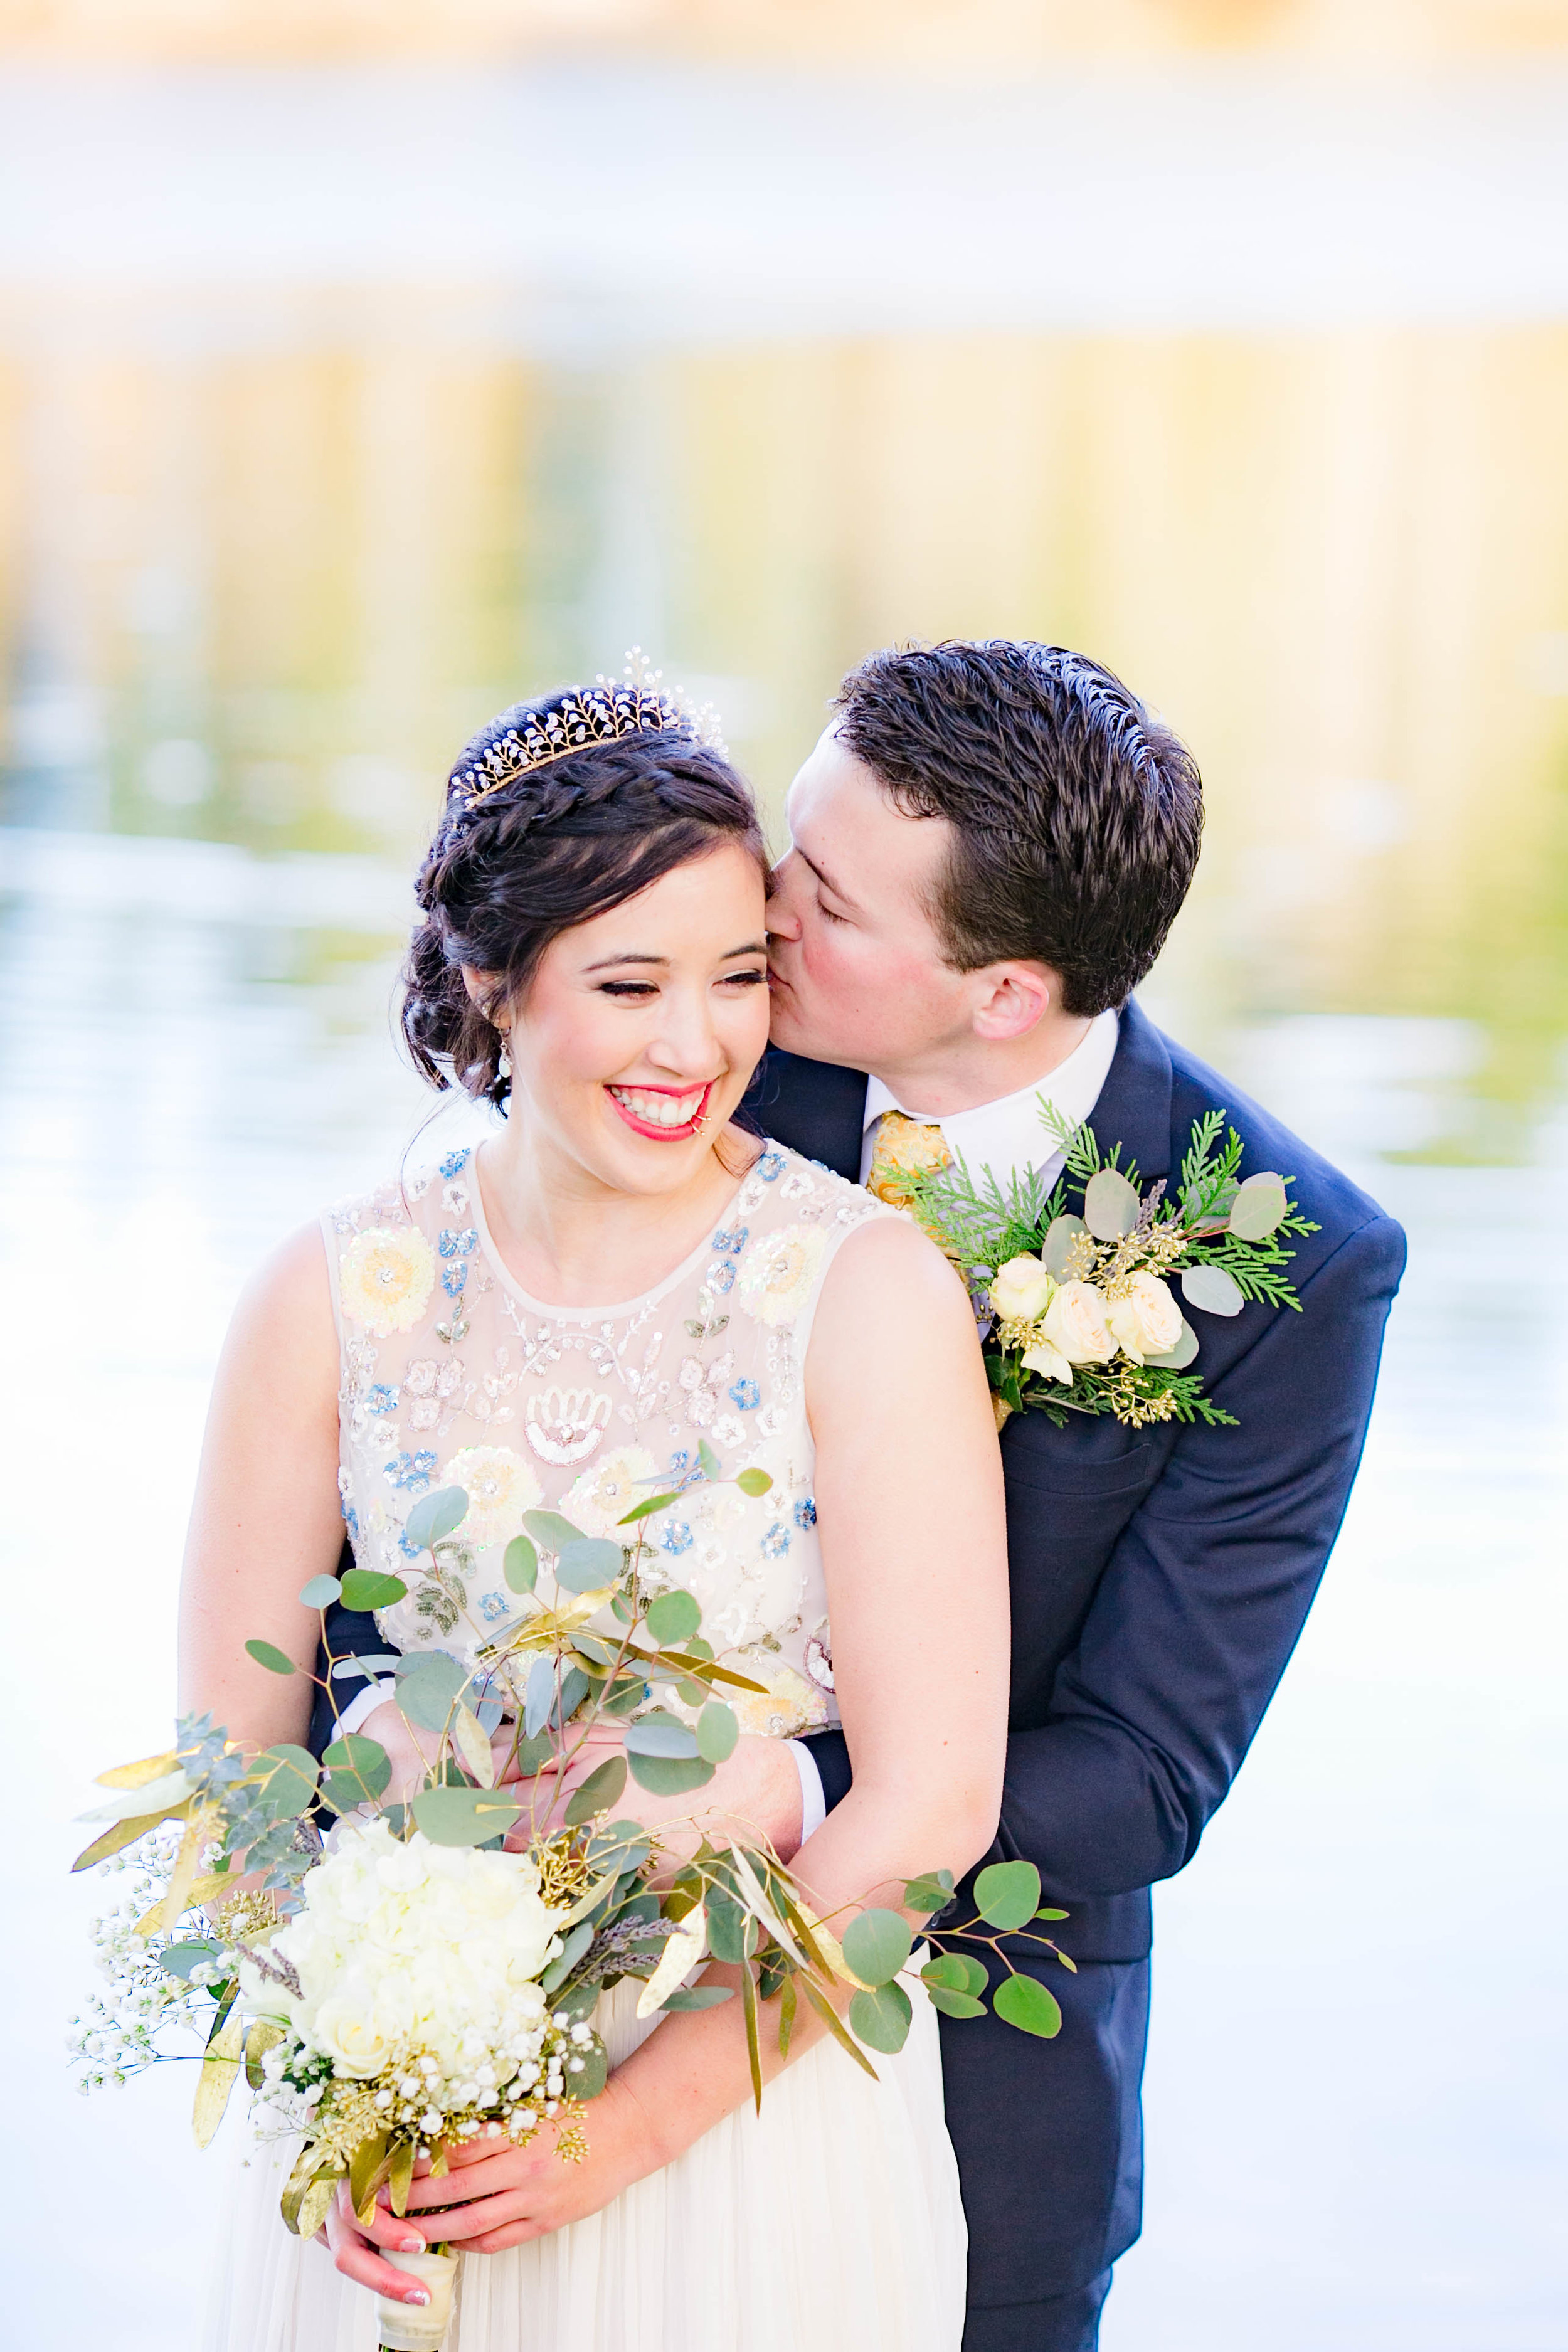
<point x="360" y="371"/>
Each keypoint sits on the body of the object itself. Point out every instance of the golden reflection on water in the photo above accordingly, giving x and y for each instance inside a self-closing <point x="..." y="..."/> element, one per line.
<point x="263" y="597"/>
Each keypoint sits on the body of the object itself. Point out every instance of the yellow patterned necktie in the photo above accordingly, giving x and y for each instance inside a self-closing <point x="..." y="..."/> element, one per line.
<point x="906" y="1148"/>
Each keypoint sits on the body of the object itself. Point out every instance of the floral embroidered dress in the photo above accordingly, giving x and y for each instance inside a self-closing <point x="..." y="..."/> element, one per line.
<point x="833" y="2220"/>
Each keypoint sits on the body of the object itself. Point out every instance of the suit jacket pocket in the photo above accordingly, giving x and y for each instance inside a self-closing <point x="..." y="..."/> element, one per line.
<point x="1092" y="1458"/>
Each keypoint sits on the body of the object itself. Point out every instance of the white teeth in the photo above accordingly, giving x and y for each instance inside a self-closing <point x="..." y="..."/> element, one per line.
<point x="661" y="1110"/>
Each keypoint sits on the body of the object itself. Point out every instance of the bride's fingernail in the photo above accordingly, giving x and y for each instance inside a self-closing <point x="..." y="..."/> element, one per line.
<point x="411" y="2245"/>
<point x="417" y="2294"/>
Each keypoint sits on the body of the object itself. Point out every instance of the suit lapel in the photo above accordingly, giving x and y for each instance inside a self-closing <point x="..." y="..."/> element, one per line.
<point x="815" y="1108"/>
<point x="1134" y="1106"/>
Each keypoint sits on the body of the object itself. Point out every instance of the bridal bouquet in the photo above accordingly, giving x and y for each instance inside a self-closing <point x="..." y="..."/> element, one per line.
<point x="1078" y="1303"/>
<point x="425" y="1970"/>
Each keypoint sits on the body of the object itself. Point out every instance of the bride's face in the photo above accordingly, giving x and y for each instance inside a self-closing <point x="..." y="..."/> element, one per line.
<point x="639" y="1031"/>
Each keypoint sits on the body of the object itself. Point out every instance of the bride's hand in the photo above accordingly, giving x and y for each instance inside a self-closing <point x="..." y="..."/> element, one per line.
<point x="387" y="1725"/>
<point x="755" y="1793"/>
<point x="496" y="2195"/>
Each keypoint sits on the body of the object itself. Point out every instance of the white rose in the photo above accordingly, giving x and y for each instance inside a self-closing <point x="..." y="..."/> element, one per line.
<point x="1022" y="1289"/>
<point x="361" y="2028"/>
<point x="1049" y="1362"/>
<point x="1076" y="1325"/>
<point x="1147" y="1321"/>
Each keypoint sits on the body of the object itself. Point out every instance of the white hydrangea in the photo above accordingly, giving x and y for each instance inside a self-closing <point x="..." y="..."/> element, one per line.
<point x="414" y="1954"/>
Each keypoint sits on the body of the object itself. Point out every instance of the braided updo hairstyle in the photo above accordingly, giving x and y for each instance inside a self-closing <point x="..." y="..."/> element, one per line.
<point x="552" y="848"/>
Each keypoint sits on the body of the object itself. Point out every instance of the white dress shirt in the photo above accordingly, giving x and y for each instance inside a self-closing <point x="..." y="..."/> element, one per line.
<point x="1002" y="1136"/>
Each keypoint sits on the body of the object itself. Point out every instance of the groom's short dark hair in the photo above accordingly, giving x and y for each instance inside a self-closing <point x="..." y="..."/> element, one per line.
<point x="1075" y="815"/>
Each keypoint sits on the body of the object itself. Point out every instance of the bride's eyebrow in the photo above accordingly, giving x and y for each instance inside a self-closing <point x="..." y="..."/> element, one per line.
<point x="751" y="947"/>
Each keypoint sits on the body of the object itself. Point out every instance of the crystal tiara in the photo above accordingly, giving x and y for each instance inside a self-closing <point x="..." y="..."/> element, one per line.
<point x="637" y="704"/>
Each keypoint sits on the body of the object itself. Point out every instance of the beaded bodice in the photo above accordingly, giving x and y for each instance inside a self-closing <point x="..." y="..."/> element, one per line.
<point x="451" y="1375"/>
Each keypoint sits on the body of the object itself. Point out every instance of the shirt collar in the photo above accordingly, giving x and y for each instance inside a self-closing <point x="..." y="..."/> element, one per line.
<point x="1008" y="1133"/>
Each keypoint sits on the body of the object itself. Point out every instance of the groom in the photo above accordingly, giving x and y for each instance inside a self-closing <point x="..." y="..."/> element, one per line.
<point x="989" y="843"/>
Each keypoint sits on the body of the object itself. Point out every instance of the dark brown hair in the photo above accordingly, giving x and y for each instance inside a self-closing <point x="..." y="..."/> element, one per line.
<point x="1076" y="815"/>
<point x="548" y="850"/>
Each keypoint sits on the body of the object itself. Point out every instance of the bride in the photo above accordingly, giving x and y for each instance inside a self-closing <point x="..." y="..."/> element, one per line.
<point x="617" y="1273"/>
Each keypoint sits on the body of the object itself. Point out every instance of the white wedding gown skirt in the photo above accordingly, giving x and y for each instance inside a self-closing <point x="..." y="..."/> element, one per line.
<point x="830" y="2223"/>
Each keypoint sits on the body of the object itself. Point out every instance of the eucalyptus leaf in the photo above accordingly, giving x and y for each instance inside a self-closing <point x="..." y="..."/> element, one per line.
<point x="360" y="1763"/>
<point x="320" y="1593"/>
<point x="366" y="1668"/>
<point x="754" y="1482"/>
<point x="427" y="1689"/>
<point x="718" y="1730"/>
<point x="669" y="1776"/>
<point x="548" y="1529"/>
<point x="469" y="1740"/>
<point x="268" y="1654"/>
<point x="1061" y="1235"/>
<point x="588" y="1563"/>
<point x="702" y="1996"/>
<point x="876" y="1947"/>
<point x="587" y="2071"/>
<point x="538" y="1695"/>
<point x="1006" y="1894"/>
<point x="464" y="1816"/>
<point x="646" y="1509"/>
<point x="520" y="1565"/>
<point x="598" y="1651"/>
<point x="674" y="1617"/>
<point x="1111" y="1205"/>
<point x="574" y="1946"/>
<point x="366" y="1589"/>
<point x="1258" y="1207"/>
<point x="707" y="1460"/>
<point x="435" y="1515"/>
<point x="726" y="1927"/>
<point x="598" y="1792"/>
<point x="955" y="2004"/>
<point x="1021" y="2001"/>
<point x="575" y="1688"/>
<point x="881" y="2018"/>
<point x="957" y="1971"/>
<point x="1214" y="1290"/>
<point x="179" y="1959"/>
<point x="660" y="1735"/>
<point x="933" y="1891"/>
<point x="1177" y="1359"/>
<point x="284" y="1780"/>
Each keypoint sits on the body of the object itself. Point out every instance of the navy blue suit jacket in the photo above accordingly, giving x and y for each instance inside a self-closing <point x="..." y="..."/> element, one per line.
<point x="1160" y="1580"/>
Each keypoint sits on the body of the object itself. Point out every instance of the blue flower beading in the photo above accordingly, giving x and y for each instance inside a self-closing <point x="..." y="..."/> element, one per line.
<point x="455" y="1162"/>
<point x="775" y="1543"/>
<point x="720" y="1275"/>
<point x="771" y="1167"/>
<point x="493" y="1606"/>
<point x="677" y="1537"/>
<point x="733" y="1242"/>
<point x="453" y="1278"/>
<point x="685" y="1469"/>
<point x="746" y="1394"/>
<point x="412" y="1471"/>
<point x="457" y="1244"/>
<point x="381" y="1399"/>
<point x="805" y="1514"/>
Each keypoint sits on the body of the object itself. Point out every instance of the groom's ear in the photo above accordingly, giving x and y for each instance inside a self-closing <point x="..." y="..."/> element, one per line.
<point x="1008" y="1000"/>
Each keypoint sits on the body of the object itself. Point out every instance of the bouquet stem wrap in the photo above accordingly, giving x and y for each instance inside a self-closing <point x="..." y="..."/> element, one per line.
<point x="419" y="2327"/>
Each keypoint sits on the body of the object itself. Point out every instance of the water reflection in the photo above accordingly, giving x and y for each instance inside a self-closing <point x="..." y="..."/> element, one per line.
<point x="261" y="598"/>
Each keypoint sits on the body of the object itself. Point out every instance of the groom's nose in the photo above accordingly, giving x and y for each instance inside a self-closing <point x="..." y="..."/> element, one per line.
<point x="782" y="921"/>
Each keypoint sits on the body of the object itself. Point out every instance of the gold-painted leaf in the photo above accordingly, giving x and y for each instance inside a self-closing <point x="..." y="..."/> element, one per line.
<point x="316" y="2202"/>
<point x="753" y="2052"/>
<point x="308" y="2165"/>
<point x="185" y="1873"/>
<point x="469" y="1740"/>
<point x="136" y="1776"/>
<point x="208" y="1889"/>
<point x="400" y="2175"/>
<point x="124" y="1834"/>
<point x="215" y="2080"/>
<point x="264" y="2035"/>
<point x="368" y="2168"/>
<point x="835" y="2025"/>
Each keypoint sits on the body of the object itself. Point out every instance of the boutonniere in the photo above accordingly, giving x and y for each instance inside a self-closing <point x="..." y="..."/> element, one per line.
<point x="1073" y="1288"/>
